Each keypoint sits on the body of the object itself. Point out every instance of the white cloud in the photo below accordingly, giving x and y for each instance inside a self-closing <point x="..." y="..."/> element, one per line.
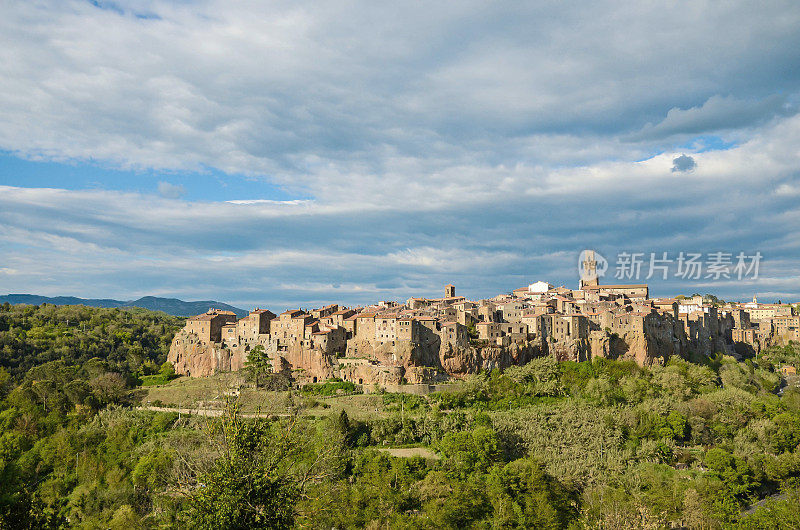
<point x="478" y="144"/>
<point x="788" y="190"/>
<point x="171" y="191"/>
<point x="297" y="91"/>
<point x="295" y="202"/>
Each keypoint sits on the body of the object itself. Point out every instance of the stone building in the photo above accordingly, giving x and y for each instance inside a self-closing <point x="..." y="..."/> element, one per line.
<point x="640" y="291"/>
<point x="208" y="326"/>
<point x="488" y="330"/>
<point x="428" y="340"/>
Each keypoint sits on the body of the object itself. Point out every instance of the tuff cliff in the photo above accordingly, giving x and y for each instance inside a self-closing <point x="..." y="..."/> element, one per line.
<point x="191" y="356"/>
<point x="366" y="361"/>
<point x="459" y="362"/>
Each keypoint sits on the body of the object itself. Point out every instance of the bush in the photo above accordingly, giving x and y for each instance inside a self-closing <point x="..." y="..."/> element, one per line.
<point x="331" y="387"/>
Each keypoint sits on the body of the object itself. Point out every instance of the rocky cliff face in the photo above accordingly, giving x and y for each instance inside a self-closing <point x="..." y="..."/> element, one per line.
<point x="570" y="350"/>
<point x="655" y="346"/>
<point x="459" y="362"/>
<point x="190" y="356"/>
<point x="368" y="362"/>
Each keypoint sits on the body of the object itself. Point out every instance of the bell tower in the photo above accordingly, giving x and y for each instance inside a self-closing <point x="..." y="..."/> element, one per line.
<point x="589" y="277"/>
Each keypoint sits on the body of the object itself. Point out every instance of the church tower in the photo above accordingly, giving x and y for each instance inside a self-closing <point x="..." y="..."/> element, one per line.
<point x="588" y="270"/>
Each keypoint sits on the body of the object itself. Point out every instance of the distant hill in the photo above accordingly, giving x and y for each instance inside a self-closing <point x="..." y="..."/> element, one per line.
<point x="171" y="306"/>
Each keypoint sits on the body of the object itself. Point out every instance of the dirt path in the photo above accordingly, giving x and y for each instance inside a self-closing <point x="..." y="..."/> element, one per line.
<point x="212" y="413"/>
<point x="410" y="452"/>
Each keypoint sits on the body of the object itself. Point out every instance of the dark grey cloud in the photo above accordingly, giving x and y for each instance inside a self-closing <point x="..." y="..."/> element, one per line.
<point x="683" y="164"/>
<point x="716" y="114"/>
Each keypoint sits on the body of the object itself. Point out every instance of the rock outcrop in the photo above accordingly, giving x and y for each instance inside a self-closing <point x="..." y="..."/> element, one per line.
<point x="191" y="356"/>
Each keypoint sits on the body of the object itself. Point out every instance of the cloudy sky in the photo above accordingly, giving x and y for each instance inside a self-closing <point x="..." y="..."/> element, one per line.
<point x="295" y="153"/>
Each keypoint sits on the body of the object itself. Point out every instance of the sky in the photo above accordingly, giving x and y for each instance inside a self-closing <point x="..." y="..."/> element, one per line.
<point x="293" y="154"/>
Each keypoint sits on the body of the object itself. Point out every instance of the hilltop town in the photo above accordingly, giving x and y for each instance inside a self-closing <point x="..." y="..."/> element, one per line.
<point x="427" y="340"/>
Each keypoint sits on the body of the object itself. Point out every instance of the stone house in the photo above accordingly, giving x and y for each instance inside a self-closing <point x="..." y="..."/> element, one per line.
<point x="255" y="324"/>
<point x="208" y="326"/>
<point x="517" y="332"/>
<point x="365" y="326"/>
<point x="488" y="330"/>
<point x="324" y="311"/>
<point x="329" y="340"/>
<point x="289" y="326"/>
<point x="512" y="310"/>
<point x="386" y="327"/>
<point x="631" y="291"/>
<point x="454" y="334"/>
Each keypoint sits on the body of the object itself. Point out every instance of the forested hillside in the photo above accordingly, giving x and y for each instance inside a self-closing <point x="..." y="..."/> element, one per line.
<point x="129" y="340"/>
<point x="602" y="444"/>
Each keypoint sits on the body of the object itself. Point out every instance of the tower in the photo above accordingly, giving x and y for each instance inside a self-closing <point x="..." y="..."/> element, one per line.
<point x="588" y="270"/>
<point x="449" y="291"/>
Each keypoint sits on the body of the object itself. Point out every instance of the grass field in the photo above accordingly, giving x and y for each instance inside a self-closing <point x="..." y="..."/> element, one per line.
<point x="410" y="452"/>
<point x="212" y="392"/>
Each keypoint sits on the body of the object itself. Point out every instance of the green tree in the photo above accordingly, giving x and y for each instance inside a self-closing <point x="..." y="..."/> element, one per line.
<point x="524" y="496"/>
<point x="472" y="451"/>
<point x="167" y="371"/>
<point x="247" y="486"/>
<point x="258" y="364"/>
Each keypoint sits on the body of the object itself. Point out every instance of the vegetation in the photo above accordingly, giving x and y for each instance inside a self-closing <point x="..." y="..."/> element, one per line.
<point x="607" y="444"/>
<point x="165" y="374"/>
<point x="129" y="341"/>
<point x="258" y="365"/>
<point x="331" y="387"/>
